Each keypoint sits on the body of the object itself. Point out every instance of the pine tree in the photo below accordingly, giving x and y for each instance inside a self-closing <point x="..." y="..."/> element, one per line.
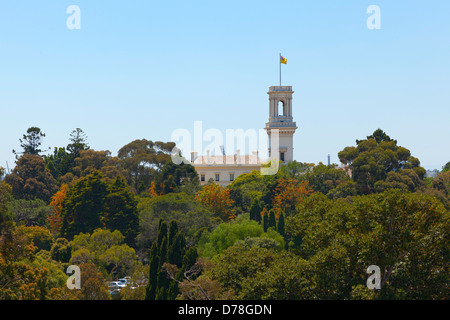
<point x="31" y="142"/>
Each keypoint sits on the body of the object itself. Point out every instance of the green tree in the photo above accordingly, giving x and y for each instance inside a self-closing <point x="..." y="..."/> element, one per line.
<point x="30" y="212"/>
<point x="446" y="167"/>
<point x="120" y="212"/>
<point x="62" y="161"/>
<point x="192" y="217"/>
<point x="406" y="179"/>
<point x="258" y="274"/>
<point x="406" y="235"/>
<point x="118" y="260"/>
<point x="31" y="142"/>
<point x="107" y="250"/>
<point x="83" y="206"/>
<point x="91" y="160"/>
<point x="272" y="220"/>
<point x="255" y="211"/>
<point x="281" y="225"/>
<point x="343" y="190"/>
<point x="226" y="234"/>
<point x="374" y="158"/>
<point x="30" y="179"/>
<point x="169" y="247"/>
<point x="40" y="236"/>
<point x="142" y="159"/>
<point x="25" y="275"/>
<point x="78" y="143"/>
<point x="245" y="188"/>
<point x="177" y="178"/>
<point x="93" y="202"/>
<point x="265" y="220"/>
<point x="325" y="178"/>
<point x="61" y="250"/>
<point x="5" y="199"/>
<point x="379" y="136"/>
<point x="269" y="190"/>
<point x="440" y="188"/>
<point x="59" y="163"/>
<point x="296" y="170"/>
<point x="93" y="284"/>
<point x="150" y="290"/>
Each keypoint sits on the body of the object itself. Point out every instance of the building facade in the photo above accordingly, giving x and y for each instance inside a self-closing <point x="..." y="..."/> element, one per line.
<point x="223" y="169"/>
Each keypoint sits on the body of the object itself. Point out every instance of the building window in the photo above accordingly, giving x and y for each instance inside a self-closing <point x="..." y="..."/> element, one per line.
<point x="282" y="156"/>
<point x="202" y="177"/>
<point x="217" y="177"/>
<point x="231" y="176"/>
<point x="280" y="108"/>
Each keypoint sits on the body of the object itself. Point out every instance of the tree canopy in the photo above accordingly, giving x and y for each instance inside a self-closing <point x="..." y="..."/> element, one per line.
<point x="31" y="142"/>
<point x="374" y="158"/>
<point x="30" y="179"/>
<point x="310" y="231"/>
<point x="142" y="159"/>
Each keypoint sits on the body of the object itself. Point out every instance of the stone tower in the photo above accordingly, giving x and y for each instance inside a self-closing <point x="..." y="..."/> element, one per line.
<point x="280" y="117"/>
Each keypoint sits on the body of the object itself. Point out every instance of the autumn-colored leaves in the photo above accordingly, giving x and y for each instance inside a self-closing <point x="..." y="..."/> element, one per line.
<point x="288" y="194"/>
<point x="218" y="200"/>
<point x="55" y="218"/>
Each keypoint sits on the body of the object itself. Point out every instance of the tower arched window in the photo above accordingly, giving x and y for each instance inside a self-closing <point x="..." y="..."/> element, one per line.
<point x="280" y="108"/>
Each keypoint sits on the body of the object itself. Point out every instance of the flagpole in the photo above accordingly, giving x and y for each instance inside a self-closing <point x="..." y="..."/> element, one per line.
<point x="279" y="61"/>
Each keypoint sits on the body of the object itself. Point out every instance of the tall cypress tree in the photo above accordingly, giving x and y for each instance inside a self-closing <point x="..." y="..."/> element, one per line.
<point x="173" y="230"/>
<point x="177" y="249"/>
<point x="265" y="221"/>
<point x="280" y="226"/>
<point x="170" y="247"/>
<point x="163" y="281"/>
<point x="162" y="233"/>
<point x="158" y="254"/>
<point x="150" y="290"/>
<point x="255" y="211"/>
<point x="272" y="221"/>
<point x="175" y="254"/>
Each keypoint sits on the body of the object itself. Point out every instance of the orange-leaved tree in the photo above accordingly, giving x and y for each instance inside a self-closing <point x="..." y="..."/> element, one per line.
<point x="288" y="194"/>
<point x="152" y="190"/>
<point x="218" y="200"/>
<point x="55" y="218"/>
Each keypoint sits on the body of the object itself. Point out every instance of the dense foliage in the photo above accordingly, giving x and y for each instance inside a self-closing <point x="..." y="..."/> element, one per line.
<point x="308" y="232"/>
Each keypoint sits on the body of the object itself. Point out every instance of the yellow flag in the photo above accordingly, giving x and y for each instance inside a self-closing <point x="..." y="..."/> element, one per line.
<point x="283" y="60"/>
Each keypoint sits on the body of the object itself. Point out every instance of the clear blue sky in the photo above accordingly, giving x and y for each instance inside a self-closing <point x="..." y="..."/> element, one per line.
<point x="141" y="69"/>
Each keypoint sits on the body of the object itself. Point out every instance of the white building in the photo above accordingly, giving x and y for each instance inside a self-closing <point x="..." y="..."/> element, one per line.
<point x="223" y="169"/>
